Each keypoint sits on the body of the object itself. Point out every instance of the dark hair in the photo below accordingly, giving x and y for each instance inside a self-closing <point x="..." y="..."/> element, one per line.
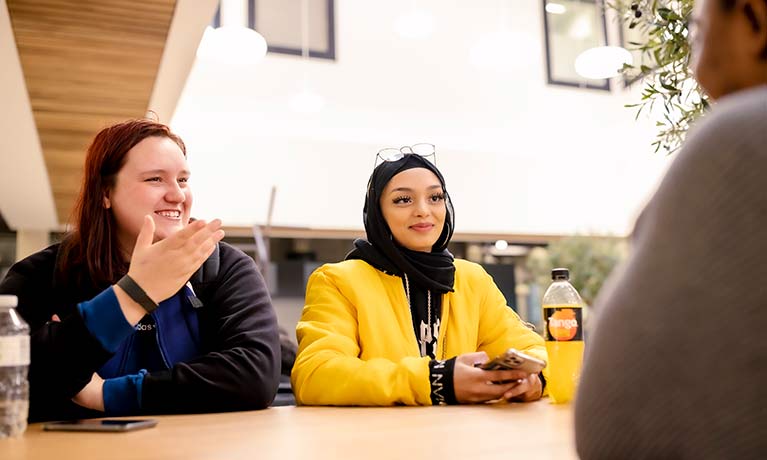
<point x="91" y="248"/>
<point x="729" y="5"/>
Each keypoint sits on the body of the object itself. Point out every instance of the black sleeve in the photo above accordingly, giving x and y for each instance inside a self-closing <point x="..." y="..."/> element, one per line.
<point x="64" y="355"/>
<point x="441" y="381"/>
<point x="241" y="369"/>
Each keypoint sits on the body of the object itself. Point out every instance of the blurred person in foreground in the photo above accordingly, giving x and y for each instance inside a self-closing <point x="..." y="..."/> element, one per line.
<point x="677" y="363"/>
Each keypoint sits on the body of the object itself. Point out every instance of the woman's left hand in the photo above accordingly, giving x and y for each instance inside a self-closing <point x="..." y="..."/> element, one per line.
<point x="529" y="389"/>
<point x="92" y="395"/>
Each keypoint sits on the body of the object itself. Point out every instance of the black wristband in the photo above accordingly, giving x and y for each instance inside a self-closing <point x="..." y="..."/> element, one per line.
<point x="135" y="292"/>
<point x="441" y="380"/>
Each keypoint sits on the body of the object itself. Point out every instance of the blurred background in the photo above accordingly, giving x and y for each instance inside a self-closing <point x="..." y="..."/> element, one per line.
<point x="283" y="105"/>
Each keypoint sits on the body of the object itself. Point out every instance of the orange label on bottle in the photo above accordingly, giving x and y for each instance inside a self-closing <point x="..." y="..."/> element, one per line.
<point x="563" y="324"/>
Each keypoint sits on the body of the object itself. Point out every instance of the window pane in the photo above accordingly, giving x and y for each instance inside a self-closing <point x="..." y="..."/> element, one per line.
<point x="279" y="21"/>
<point x="572" y="27"/>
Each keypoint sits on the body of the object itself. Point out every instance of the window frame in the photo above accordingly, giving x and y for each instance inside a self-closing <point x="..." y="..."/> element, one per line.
<point x="573" y="84"/>
<point x="329" y="54"/>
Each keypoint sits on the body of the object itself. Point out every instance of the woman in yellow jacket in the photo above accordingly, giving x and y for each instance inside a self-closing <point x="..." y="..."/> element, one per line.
<point x="401" y="321"/>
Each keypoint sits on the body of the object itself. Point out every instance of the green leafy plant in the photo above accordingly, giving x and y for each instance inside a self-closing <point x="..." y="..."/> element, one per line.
<point x="660" y="32"/>
<point x="590" y="260"/>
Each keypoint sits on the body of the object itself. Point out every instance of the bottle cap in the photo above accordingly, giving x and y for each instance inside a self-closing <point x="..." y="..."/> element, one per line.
<point x="559" y="274"/>
<point x="8" y="301"/>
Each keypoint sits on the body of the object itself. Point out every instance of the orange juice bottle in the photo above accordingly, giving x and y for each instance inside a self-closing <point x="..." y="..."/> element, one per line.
<point x="563" y="317"/>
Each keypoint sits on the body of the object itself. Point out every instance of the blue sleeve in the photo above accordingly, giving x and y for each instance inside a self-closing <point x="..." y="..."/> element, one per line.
<point x="105" y="320"/>
<point x="122" y="395"/>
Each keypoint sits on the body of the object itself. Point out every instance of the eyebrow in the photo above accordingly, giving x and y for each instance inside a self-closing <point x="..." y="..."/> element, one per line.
<point x="406" y="189"/>
<point x="164" y="171"/>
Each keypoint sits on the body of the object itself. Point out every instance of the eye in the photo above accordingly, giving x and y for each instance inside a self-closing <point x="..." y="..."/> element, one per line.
<point x="183" y="180"/>
<point x="437" y="197"/>
<point x="402" y="200"/>
<point x="153" y="179"/>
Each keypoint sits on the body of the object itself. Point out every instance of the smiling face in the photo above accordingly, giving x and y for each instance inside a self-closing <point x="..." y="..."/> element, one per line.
<point x="413" y="205"/>
<point x="153" y="181"/>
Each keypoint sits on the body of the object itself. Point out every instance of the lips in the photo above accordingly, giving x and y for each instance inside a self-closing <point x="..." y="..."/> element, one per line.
<point x="423" y="227"/>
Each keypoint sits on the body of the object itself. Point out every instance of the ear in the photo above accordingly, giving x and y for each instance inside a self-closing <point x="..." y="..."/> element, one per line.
<point x="756" y="15"/>
<point x="106" y="201"/>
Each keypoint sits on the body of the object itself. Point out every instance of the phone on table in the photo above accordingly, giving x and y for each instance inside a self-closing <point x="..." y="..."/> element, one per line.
<point x="515" y="360"/>
<point x="112" y="425"/>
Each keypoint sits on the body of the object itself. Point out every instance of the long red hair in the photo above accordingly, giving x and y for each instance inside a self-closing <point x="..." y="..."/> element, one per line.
<point x="90" y="250"/>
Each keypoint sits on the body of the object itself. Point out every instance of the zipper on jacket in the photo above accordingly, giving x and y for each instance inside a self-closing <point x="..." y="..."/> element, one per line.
<point x="125" y="353"/>
<point x="159" y="344"/>
<point x="443" y="327"/>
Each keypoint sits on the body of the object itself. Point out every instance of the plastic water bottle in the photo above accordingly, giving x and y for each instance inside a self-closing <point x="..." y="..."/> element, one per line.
<point x="14" y="362"/>
<point x="563" y="316"/>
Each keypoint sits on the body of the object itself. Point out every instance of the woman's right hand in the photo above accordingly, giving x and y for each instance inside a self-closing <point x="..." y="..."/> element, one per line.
<point x="162" y="268"/>
<point x="474" y="385"/>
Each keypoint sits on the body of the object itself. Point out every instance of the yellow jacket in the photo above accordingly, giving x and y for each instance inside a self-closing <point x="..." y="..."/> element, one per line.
<point x="356" y="344"/>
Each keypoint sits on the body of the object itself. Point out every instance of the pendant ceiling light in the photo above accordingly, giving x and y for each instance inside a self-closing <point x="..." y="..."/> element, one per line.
<point x="232" y="42"/>
<point x="602" y="62"/>
<point x="306" y="100"/>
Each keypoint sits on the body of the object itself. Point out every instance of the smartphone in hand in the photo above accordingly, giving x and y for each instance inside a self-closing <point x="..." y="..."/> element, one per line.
<point x="514" y="359"/>
<point x="100" y="425"/>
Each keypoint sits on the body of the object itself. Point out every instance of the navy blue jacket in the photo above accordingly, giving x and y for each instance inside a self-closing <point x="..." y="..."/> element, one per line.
<point x="239" y="362"/>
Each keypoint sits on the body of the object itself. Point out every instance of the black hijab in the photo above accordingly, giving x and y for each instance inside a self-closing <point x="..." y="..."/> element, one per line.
<point x="431" y="270"/>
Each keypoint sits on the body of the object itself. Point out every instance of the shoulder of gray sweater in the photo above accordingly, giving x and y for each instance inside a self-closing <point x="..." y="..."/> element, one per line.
<point x="737" y="123"/>
<point x="741" y="115"/>
<point x="749" y="100"/>
<point x="723" y="154"/>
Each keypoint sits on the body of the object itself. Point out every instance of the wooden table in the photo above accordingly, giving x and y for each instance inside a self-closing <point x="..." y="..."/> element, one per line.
<point x="537" y="430"/>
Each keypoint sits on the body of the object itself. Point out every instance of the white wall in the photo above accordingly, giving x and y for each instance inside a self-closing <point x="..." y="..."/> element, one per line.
<point x="26" y="199"/>
<point x="190" y="17"/>
<point x="519" y="156"/>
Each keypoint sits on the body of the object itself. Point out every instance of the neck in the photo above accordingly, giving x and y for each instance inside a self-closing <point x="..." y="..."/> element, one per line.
<point x="754" y="80"/>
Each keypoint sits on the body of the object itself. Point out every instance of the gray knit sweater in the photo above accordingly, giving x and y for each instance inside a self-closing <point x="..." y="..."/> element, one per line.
<point x="676" y="363"/>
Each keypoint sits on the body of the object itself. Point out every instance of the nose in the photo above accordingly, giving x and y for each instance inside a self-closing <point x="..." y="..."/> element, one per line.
<point x="422" y="208"/>
<point x="174" y="193"/>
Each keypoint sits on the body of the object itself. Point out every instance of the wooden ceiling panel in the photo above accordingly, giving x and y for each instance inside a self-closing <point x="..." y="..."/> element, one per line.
<point x="87" y="64"/>
<point x="69" y="180"/>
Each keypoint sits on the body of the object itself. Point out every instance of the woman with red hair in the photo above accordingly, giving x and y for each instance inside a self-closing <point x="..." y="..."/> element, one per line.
<point x="140" y="309"/>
